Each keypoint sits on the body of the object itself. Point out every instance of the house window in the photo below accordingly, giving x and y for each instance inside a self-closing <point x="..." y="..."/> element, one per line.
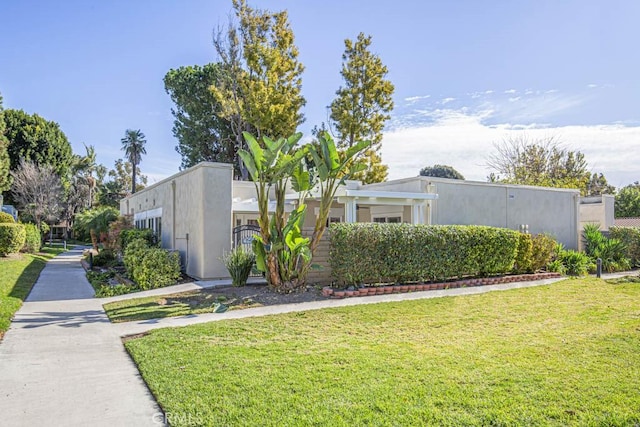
<point x="252" y="222"/>
<point x="388" y="219"/>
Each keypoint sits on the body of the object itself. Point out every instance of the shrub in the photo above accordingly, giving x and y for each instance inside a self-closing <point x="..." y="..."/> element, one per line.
<point x="33" y="239"/>
<point x="133" y="254"/>
<point x="403" y="252"/>
<point x="575" y="263"/>
<point x="612" y="252"/>
<point x="239" y="263"/>
<point x="105" y="257"/>
<point x="158" y="268"/>
<point x="524" y="254"/>
<point x="128" y="235"/>
<point x="630" y="236"/>
<point x="6" y="218"/>
<point x="12" y="238"/>
<point x="542" y="251"/>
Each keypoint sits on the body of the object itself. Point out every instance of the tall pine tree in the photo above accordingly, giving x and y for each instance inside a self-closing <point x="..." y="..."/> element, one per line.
<point x="363" y="104"/>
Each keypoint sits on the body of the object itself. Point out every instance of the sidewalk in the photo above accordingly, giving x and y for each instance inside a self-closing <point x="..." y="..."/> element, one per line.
<point x="62" y="362"/>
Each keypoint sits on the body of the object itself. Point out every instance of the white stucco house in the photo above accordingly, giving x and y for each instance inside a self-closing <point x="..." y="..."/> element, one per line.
<point x="196" y="210"/>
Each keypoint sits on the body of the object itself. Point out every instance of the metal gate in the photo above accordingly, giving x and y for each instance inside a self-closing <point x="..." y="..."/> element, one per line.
<point x="243" y="236"/>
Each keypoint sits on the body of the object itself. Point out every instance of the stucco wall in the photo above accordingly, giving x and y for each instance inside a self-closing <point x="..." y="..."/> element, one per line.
<point x="552" y="211"/>
<point x="196" y="215"/>
<point x="597" y="210"/>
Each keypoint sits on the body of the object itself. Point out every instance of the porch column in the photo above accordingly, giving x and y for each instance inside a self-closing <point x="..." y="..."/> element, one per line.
<point x="416" y="213"/>
<point x="350" y="211"/>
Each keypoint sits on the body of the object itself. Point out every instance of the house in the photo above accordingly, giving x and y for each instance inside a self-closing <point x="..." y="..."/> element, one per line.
<point x="197" y="210"/>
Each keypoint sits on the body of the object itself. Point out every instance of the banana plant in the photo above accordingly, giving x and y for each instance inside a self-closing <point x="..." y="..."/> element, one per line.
<point x="280" y="247"/>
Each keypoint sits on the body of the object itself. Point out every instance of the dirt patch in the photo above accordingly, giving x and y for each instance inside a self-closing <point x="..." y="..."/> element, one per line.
<point x="241" y="297"/>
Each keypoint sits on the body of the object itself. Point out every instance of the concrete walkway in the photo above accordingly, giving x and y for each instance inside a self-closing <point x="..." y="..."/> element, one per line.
<point x="62" y="362"/>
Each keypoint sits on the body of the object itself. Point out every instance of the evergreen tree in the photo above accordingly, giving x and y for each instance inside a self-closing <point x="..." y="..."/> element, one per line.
<point x="260" y="88"/>
<point x="441" y="171"/>
<point x="34" y="139"/>
<point x="203" y="136"/>
<point x="5" y="177"/>
<point x="363" y="104"/>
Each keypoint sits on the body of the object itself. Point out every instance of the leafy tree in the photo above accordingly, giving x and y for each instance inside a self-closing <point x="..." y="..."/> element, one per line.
<point x="94" y="223"/>
<point x="37" y="140"/>
<point x="627" y="203"/>
<point x="133" y="147"/>
<point x="363" y="104"/>
<point x="37" y="190"/>
<point x="202" y="134"/>
<point x="281" y="251"/>
<point x="119" y="184"/>
<point x="598" y="185"/>
<point x="441" y="171"/>
<point x="542" y="162"/>
<point x="5" y="177"/>
<point x="260" y="88"/>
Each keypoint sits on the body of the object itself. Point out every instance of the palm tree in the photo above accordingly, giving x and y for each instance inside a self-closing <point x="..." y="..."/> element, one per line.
<point x="133" y="147"/>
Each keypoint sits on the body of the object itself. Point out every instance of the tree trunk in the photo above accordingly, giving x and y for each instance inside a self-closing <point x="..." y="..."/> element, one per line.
<point x="133" y="180"/>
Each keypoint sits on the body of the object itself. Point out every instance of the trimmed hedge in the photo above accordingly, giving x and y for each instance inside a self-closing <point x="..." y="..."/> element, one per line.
<point x="33" y="239"/>
<point x="6" y="218"/>
<point x="630" y="236"/>
<point x="379" y="253"/>
<point x="12" y="237"/>
<point x="524" y="255"/>
<point x="542" y="251"/>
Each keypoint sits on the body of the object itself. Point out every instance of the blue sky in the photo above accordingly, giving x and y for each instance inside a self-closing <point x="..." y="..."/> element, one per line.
<point x="467" y="73"/>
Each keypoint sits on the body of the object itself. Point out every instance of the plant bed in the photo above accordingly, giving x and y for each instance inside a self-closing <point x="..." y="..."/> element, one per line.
<point x="204" y="301"/>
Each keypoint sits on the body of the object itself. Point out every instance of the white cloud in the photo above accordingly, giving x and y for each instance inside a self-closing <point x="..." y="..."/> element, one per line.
<point x="592" y="86"/>
<point x="463" y="141"/>
<point x="514" y="99"/>
<point x="447" y="100"/>
<point x="510" y="91"/>
<point x="413" y="99"/>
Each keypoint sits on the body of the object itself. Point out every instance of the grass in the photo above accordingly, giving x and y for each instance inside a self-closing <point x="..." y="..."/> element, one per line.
<point x="179" y="304"/>
<point x="19" y="272"/>
<point x="564" y="354"/>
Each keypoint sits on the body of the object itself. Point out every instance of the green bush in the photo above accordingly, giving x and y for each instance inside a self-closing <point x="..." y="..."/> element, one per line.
<point x="105" y="258"/>
<point x="612" y="252"/>
<point x="239" y="263"/>
<point x="12" y="238"/>
<point x="150" y="267"/>
<point x="6" y="218"/>
<point x="133" y="254"/>
<point x="370" y="252"/>
<point x="524" y="254"/>
<point x="542" y="251"/>
<point x="630" y="236"/>
<point x="158" y="268"/>
<point x="574" y="263"/>
<point x="33" y="239"/>
<point x="128" y="235"/>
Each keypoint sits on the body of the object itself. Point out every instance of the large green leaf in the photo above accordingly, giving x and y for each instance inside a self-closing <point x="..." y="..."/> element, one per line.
<point x="247" y="159"/>
<point x="300" y="179"/>
<point x="256" y="151"/>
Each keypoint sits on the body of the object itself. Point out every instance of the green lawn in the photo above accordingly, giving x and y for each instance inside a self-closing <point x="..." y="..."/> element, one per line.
<point x="18" y="274"/>
<point x="564" y="354"/>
